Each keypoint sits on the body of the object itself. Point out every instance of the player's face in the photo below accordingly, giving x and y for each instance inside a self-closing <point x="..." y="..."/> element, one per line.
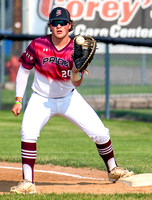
<point x="60" y="28"/>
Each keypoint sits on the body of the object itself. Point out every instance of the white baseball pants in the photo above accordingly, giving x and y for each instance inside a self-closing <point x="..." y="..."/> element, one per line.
<point x="72" y="107"/>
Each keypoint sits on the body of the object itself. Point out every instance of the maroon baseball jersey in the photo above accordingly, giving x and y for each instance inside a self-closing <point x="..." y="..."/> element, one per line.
<point x="52" y="67"/>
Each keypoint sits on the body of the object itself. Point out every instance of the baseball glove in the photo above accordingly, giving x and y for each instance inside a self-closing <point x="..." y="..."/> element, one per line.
<point x="84" y="53"/>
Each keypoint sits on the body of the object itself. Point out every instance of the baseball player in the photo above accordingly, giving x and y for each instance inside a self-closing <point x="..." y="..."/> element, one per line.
<point x="54" y="93"/>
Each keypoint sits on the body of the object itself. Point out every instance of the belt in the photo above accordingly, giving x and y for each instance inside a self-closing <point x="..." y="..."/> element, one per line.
<point x="64" y="96"/>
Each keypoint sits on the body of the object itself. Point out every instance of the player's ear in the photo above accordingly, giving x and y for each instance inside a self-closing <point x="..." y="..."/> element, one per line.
<point x="69" y="25"/>
<point x="49" y="26"/>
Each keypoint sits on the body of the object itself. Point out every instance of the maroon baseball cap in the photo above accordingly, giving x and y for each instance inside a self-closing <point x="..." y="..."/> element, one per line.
<point x="59" y="13"/>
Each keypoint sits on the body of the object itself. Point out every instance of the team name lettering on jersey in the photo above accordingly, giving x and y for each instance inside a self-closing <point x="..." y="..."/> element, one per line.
<point x="56" y="60"/>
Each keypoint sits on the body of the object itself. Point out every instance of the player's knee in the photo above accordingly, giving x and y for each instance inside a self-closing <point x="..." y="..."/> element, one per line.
<point x="101" y="139"/>
<point x="28" y="135"/>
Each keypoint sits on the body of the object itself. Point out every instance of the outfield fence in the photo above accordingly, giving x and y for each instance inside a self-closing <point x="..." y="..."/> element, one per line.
<point x="115" y="80"/>
<point x="120" y="74"/>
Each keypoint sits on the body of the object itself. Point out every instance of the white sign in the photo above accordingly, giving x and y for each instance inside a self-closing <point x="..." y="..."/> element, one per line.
<point x="103" y="18"/>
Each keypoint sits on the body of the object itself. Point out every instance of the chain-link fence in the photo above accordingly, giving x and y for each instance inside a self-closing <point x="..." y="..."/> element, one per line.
<point x="130" y="73"/>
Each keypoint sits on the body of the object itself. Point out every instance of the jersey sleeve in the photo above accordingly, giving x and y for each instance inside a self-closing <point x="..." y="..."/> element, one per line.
<point x="28" y="58"/>
<point x="21" y="81"/>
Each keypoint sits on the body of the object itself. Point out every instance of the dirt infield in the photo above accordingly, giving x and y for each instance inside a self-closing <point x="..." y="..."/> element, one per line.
<point x="59" y="179"/>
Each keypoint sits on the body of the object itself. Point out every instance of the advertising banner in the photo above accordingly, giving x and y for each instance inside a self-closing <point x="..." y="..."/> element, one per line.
<point x="103" y="18"/>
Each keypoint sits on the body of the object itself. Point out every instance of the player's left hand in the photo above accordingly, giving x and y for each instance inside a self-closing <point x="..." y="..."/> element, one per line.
<point x="83" y="54"/>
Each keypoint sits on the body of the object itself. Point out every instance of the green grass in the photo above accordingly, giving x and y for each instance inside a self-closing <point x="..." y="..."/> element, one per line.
<point x="65" y="143"/>
<point x="133" y="114"/>
<point x="76" y="197"/>
<point x="99" y="89"/>
<point x="62" y="143"/>
<point x="139" y="114"/>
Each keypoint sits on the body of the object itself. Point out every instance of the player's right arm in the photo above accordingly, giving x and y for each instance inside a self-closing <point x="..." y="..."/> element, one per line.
<point x="21" y="83"/>
<point x="17" y="107"/>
